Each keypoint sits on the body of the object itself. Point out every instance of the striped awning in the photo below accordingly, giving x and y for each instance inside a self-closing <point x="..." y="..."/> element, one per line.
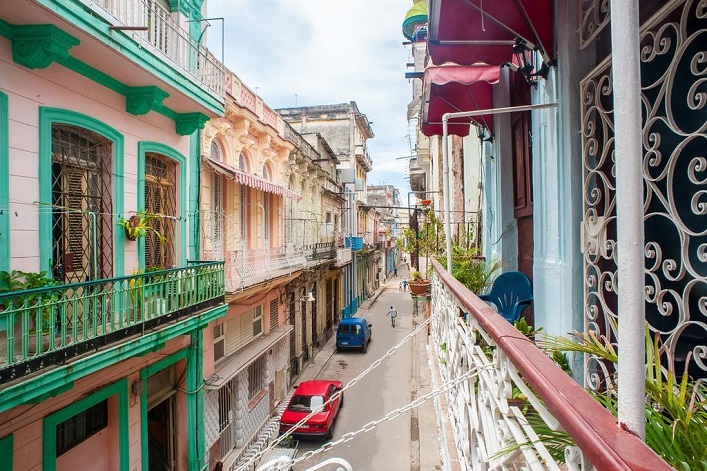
<point x="247" y="179"/>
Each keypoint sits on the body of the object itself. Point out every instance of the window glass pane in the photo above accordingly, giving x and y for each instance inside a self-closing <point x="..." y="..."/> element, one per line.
<point x="83" y="425"/>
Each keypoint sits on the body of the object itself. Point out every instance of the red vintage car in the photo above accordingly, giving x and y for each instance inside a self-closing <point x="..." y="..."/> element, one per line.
<point x="307" y="397"/>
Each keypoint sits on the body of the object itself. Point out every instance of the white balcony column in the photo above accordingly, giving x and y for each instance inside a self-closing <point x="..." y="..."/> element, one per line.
<point x="628" y="151"/>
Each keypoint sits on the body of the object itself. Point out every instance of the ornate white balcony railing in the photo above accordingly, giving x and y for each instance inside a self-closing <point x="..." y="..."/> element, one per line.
<point x="490" y="430"/>
<point x="166" y="37"/>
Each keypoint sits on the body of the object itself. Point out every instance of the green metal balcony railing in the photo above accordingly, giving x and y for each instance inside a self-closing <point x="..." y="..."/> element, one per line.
<point x="46" y="326"/>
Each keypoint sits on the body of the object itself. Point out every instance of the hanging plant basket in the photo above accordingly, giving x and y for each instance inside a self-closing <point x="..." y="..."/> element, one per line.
<point x="130" y="227"/>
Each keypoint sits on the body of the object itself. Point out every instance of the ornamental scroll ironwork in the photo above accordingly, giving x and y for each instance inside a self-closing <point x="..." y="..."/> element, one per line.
<point x="674" y="99"/>
<point x="594" y="15"/>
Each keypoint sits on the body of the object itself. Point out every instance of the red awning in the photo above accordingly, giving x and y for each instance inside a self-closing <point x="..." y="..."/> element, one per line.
<point x="483" y="31"/>
<point x="457" y="88"/>
<point x="252" y="181"/>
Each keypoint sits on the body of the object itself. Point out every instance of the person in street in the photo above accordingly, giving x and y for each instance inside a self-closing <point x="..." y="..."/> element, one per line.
<point x="400" y="285"/>
<point x="395" y="271"/>
<point x="405" y="284"/>
<point x="393" y="314"/>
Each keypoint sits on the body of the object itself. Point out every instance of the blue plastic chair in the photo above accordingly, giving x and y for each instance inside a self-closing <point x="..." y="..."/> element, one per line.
<point x="511" y="293"/>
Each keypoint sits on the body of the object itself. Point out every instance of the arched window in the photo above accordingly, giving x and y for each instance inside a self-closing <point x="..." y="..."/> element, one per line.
<point x="243" y="165"/>
<point x="216" y="153"/>
<point x="216" y="213"/>
<point x="82" y="182"/>
<point x="266" y="172"/>
<point x="160" y="199"/>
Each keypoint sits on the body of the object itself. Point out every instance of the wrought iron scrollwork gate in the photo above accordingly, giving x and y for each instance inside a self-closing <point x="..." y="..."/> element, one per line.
<point x="674" y="95"/>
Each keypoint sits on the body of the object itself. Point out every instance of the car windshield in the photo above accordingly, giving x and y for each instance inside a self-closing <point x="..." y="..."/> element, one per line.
<point x="305" y="403"/>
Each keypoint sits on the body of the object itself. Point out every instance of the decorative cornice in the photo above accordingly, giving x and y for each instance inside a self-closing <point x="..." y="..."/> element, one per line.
<point x="38" y="46"/>
<point x="191" y="8"/>
<point x="141" y="100"/>
<point x="187" y="123"/>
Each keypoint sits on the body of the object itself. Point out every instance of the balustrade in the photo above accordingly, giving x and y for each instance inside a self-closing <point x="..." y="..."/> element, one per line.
<point x="514" y="413"/>
<point x="168" y="38"/>
<point x="49" y="325"/>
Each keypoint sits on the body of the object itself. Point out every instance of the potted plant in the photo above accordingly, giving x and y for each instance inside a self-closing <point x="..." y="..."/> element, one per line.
<point x="471" y="269"/>
<point x="139" y="224"/>
<point x="418" y="285"/>
<point x="38" y="305"/>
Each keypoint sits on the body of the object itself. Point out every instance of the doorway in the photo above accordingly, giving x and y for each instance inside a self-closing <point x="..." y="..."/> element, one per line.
<point x="160" y="435"/>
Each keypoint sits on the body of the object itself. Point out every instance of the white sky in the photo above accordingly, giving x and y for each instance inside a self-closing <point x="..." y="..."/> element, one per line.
<point x="325" y="52"/>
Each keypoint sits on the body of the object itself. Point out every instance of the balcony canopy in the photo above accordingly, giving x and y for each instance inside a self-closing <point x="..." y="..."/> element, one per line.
<point x="253" y="181"/>
<point x="455" y="88"/>
<point x="468" y="32"/>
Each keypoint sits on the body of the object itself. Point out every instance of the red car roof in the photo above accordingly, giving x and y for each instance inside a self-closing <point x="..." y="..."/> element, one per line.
<point x="315" y="388"/>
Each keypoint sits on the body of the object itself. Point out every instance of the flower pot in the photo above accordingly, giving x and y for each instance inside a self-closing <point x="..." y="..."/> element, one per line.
<point x="419" y="288"/>
<point x="133" y="222"/>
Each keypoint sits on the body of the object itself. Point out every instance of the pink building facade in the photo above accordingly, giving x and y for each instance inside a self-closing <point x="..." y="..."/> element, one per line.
<point x="101" y="362"/>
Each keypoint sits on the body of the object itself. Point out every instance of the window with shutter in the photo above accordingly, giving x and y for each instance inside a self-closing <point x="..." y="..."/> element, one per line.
<point x="266" y="217"/>
<point x="243" y="165"/>
<point x="274" y="321"/>
<point x="217" y="213"/>
<point x="243" y="329"/>
<point x="82" y="240"/>
<point x="244" y="214"/>
<point x="160" y="200"/>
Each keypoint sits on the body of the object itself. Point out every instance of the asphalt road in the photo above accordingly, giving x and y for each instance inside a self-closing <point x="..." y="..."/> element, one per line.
<point x="393" y="444"/>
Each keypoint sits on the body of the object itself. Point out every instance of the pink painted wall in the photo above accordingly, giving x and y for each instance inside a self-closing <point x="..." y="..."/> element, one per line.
<point x="25" y="422"/>
<point x="59" y="87"/>
<point x="98" y="452"/>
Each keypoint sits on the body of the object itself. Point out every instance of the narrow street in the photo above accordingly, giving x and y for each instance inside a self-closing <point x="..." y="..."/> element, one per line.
<point x="406" y="442"/>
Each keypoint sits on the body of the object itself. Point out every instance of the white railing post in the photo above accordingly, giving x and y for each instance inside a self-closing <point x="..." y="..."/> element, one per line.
<point x="628" y="155"/>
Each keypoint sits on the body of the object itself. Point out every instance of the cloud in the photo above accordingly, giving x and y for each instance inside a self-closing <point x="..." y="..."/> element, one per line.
<point x="313" y="52"/>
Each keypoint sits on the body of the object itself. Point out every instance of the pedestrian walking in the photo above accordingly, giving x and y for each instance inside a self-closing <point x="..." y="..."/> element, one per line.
<point x="405" y="284"/>
<point x="395" y="271"/>
<point x="393" y="314"/>
<point x="400" y="285"/>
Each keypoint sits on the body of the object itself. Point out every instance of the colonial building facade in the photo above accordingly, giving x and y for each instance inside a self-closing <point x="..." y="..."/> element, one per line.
<point x="101" y="365"/>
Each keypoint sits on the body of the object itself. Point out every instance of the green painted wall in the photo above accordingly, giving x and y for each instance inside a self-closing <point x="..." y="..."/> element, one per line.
<point x="194" y="188"/>
<point x="194" y="400"/>
<point x="118" y="389"/>
<point x="4" y="185"/>
<point x="76" y="13"/>
<point x="195" y="407"/>
<point x="7" y="452"/>
<point x="158" y="148"/>
<point x="47" y="117"/>
<point x="63" y="375"/>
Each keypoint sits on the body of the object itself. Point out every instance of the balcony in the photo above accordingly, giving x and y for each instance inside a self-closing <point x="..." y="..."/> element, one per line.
<point x="133" y="47"/>
<point x="353" y="243"/>
<point x="248" y="267"/>
<point x="44" y="327"/>
<point x="320" y="251"/>
<point x="164" y="36"/>
<point x="363" y="158"/>
<point x="484" y="360"/>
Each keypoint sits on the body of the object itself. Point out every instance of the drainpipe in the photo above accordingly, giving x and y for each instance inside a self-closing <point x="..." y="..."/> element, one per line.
<point x="445" y="160"/>
<point x="628" y="149"/>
